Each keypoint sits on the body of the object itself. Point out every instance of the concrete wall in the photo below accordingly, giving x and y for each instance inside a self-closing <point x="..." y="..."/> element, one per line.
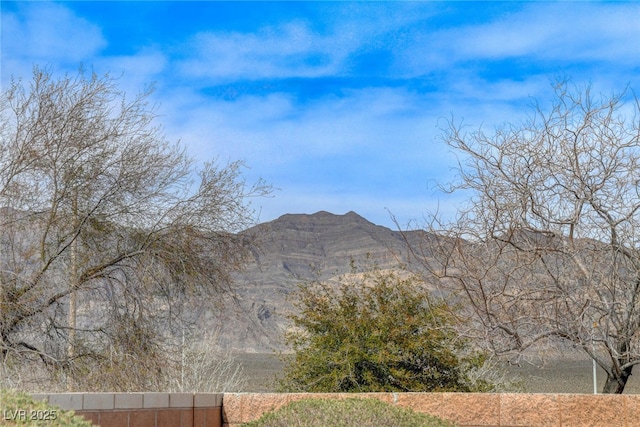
<point x="465" y="409"/>
<point x="142" y="409"/>
<point x="470" y="409"/>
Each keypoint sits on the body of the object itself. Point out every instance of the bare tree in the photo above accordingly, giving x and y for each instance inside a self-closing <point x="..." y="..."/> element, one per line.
<point x="106" y="228"/>
<point x="203" y="366"/>
<point x="547" y="249"/>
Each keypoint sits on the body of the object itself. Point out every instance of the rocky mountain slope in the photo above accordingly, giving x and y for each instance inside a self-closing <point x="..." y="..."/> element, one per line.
<point x="297" y="248"/>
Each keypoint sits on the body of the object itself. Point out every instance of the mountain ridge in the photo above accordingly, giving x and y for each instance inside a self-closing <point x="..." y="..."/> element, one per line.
<point x="296" y="248"/>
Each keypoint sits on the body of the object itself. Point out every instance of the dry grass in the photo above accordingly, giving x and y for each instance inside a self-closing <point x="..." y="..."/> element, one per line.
<point x="345" y="413"/>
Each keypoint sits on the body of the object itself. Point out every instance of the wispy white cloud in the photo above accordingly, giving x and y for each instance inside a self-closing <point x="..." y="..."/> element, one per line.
<point x="259" y="127"/>
<point x="537" y="31"/>
<point x="558" y="32"/>
<point x="137" y="71"/>
<point x="296" y="48"/>
<point x="288" y="50"/>
<point x="47" y="33"/>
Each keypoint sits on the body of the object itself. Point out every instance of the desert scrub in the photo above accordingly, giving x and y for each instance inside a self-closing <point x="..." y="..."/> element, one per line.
<point x="378" y="331"/>
<point x="345" y="413"/>
<point x="17" y="408"/>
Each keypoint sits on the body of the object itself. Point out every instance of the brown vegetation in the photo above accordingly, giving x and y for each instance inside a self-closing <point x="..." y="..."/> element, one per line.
<point x="546" y="250"/>
<point x="111" y="237"/>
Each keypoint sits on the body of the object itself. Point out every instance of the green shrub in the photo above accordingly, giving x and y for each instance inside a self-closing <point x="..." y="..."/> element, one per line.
<point x="345" y="413"/>
<point x="18" y="408"/>
<point x="378" y="333"/>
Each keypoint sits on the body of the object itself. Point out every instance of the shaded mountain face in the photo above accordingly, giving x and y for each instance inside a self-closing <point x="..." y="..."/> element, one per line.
<point x="321" y="244"/>
<point x="298" y="248"/>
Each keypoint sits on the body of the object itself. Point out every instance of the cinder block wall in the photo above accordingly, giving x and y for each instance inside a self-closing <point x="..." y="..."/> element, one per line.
<point x="142" y="409"/>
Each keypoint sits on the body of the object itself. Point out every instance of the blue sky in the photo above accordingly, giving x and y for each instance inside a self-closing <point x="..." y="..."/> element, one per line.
<point x="337" y="105"/>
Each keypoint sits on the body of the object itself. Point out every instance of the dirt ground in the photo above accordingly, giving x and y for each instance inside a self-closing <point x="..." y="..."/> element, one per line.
<point x="567" y="377"/>
<point x="570" y="376"/>
<point x="261" y="369"/>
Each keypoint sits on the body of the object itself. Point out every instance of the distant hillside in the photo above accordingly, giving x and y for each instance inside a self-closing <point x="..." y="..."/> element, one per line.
<point x="296" y="248"/>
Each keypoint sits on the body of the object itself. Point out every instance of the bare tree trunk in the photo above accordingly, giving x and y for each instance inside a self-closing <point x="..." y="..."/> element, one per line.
<point x="72" y="323"/>
<point x="616" y="384"/>
<point x="73" y="282"/>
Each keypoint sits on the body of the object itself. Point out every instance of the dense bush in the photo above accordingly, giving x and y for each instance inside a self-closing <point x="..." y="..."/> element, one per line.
<point x="345" y="413"/>
<point x="377" y="332"/>
<point x="20" y="409"/>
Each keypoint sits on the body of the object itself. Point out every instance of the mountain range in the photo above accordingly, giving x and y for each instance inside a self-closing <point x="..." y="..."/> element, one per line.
<point x="293" y="249"/>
